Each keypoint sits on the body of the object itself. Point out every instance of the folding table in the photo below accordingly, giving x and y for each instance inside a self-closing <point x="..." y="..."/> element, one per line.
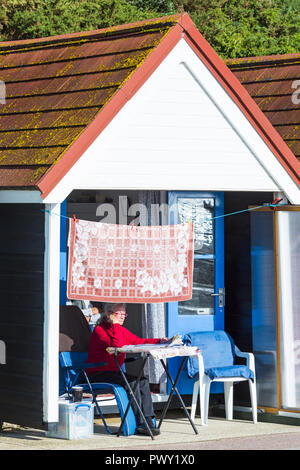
<point x="159" y="352"/>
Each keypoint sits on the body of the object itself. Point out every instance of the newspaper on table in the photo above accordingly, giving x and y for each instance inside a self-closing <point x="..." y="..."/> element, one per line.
<point x="172" y="348"/>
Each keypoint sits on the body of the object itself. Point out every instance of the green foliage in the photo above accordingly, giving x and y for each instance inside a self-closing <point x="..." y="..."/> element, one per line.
<point x="234" y="28"/>
<point x="21" y="19"/>
<point x="165" y="7"/>
<point x="241" y="28"/>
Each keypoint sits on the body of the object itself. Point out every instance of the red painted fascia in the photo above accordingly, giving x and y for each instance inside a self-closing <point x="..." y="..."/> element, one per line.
<point x="241" y="97"/>
<point x="105" y="116"/>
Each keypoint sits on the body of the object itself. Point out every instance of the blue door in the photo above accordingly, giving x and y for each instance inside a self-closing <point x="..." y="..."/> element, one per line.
<point x="205" y="311"/>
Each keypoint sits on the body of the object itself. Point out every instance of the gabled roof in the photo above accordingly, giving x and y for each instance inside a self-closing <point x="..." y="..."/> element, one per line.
<point x="63" y="91"/>
<point x="274" y="84"/>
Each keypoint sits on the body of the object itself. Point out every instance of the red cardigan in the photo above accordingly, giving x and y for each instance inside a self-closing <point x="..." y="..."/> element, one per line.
<point x="114" y="335"/>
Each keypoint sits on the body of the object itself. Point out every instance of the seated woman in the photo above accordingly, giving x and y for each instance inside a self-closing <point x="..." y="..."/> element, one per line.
<point x="110" y="333"/>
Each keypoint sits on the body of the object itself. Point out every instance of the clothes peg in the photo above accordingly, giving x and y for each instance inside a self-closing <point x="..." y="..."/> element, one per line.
<point x="275" y="203"/>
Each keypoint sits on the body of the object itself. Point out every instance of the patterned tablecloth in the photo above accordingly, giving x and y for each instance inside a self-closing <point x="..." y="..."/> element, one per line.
<point x="157" y="351"/>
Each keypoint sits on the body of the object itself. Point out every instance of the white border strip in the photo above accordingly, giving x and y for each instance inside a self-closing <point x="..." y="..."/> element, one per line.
<point x="288" y="378"/>
<point x="14" y="196"/>
<point x="289" y="414"/>
<point x="51" y="311"/>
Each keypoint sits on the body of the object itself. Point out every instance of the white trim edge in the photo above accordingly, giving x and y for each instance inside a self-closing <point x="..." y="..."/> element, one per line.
<point x="51" y="312"/>
<point x="16" y="196"/>
<point x="289" y="414"/>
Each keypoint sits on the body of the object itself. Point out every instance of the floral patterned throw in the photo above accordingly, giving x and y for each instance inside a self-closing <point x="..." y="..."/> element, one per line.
<point x="121" y="263"/>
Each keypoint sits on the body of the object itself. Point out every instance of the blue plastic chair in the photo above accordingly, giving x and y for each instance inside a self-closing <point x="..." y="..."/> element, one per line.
<point x="73" y="365"/>
<point x="215" y="363"/>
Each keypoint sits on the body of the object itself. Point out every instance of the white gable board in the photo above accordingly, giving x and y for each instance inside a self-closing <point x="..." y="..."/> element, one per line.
<point x="180" y="131"/>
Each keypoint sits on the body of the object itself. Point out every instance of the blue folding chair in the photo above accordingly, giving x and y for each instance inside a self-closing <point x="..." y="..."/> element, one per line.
<point x="74" y="339"/>
<point x="73" y="365"/>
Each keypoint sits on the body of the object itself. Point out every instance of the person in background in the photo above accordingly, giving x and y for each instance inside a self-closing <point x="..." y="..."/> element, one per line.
<point x="109" y="332"/>
<point x="91" y="312"/>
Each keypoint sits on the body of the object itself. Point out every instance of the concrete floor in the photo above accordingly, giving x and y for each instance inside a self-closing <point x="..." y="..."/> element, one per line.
<point x="176" y="434"/>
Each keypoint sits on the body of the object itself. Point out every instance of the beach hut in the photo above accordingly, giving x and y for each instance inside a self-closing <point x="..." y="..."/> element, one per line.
<point x="142" y="115"/>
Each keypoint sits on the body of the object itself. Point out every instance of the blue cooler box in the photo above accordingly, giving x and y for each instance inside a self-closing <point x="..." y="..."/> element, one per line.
<point x="76" y="420"/>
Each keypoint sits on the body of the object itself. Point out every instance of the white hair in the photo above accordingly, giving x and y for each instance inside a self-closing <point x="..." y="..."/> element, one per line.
<point x="108" y="309"/>
<point x="111" y="308"/>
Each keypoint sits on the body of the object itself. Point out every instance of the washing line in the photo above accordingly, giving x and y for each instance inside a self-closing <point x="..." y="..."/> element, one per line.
<point x="274" y="205"/>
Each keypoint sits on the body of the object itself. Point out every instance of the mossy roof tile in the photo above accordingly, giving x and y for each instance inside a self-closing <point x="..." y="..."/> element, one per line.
<point x="56" y="86"/>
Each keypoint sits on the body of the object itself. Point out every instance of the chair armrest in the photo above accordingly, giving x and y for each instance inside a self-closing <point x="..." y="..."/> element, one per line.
<point x="201" y="364"/>
<point x="248" y="356"/>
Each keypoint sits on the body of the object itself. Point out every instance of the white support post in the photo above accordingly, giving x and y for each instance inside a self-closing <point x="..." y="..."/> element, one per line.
<point x="51" y="312"/>
<point x="287" y="356"/>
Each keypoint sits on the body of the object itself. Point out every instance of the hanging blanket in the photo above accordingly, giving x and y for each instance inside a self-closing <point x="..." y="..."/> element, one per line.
<point x="121" y="263"/>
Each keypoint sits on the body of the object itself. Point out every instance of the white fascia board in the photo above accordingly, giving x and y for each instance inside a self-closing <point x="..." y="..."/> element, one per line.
<point x="16" y="196"/>
<point x="87" y="172"/>
<point x="51" y="309"/>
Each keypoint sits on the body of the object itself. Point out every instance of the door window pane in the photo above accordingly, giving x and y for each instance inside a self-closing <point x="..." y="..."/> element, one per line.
<point x="199" y="211"/>
<point x="202" y="302"/>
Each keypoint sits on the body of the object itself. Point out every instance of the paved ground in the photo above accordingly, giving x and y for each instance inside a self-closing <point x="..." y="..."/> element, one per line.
<point x="177" y="434"/>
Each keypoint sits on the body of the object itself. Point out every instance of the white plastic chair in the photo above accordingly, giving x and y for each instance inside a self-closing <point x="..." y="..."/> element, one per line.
<point x="202" y="386"/>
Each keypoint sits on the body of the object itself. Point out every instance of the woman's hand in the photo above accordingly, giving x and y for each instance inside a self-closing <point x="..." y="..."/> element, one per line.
<point x="164" y="340"/>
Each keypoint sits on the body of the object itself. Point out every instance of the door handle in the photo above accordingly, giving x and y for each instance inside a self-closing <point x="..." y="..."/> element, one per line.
<point x="221" y="295"/>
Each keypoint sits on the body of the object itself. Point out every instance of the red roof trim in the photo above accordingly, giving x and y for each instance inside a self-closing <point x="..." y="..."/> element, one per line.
<point x="215" y="64"/>
<point x="242" y="98"/>
<point x="252" y="61"/>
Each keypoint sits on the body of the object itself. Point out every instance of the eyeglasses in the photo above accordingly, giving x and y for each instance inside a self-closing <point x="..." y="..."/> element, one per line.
<point x="121" y="313"/>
